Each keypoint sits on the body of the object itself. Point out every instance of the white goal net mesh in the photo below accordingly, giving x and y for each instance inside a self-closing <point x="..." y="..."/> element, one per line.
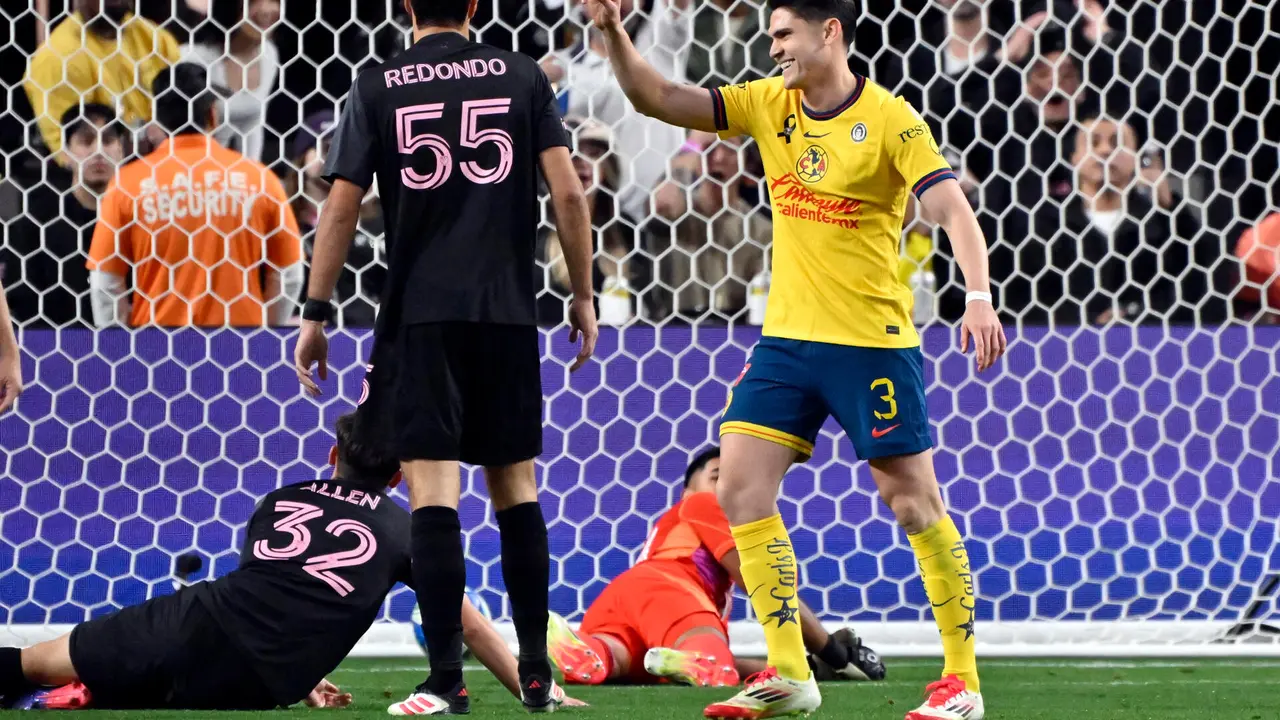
<point x="1117" y="476"/>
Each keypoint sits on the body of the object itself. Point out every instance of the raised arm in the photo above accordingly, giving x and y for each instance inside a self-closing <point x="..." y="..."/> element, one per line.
<point x="675" y="103"/>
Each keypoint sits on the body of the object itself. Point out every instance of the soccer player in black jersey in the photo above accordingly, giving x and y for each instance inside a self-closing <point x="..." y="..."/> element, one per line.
<point x="318" y="560"/>
<point x="455" y="132"/>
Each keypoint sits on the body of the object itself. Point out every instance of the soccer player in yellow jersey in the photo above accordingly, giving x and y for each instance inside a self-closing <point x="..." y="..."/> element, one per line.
<point x="840" y="154"/>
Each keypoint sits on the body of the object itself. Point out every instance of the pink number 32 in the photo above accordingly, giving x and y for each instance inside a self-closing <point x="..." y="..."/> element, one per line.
<point x="471" y="136"/>
<point x="320" y="566"/>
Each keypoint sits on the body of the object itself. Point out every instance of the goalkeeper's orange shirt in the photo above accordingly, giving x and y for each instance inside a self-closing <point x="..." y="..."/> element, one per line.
<point x="196" y="223"/>
<point x="685" y="547"/>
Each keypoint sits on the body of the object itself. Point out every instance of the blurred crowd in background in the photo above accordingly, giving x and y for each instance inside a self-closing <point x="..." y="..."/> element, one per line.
<point x="1122" y="156"/>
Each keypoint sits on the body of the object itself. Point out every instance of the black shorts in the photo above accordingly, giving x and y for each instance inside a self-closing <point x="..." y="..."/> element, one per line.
<point x="457" y="391"/>
<point x="166" y="653"/>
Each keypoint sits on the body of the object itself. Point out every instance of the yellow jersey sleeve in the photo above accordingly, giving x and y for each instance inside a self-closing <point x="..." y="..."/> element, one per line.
<point x="734" y="106"/>
<point x="911" y="148"/>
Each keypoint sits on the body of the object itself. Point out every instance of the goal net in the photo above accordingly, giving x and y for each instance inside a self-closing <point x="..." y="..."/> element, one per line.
<point x="1116" y="476"/>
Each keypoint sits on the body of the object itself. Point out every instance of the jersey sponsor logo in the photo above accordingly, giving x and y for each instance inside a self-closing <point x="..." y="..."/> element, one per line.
<point x="811" y="136"/>
<point x="211" y="194"/>
<point x="792" y="199"/>
<point x="457" y="70"/>
<point x="859" y="133"/>
<point x="912" y="133"/>
<point x="788" y="127"/>
<point x="812" y="165"/>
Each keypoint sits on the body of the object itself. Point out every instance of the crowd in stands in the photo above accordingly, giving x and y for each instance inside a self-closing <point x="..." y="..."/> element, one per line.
<point x="1090" y="149"/>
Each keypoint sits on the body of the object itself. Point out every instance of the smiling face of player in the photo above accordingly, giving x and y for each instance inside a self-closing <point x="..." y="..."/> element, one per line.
<point x="807" y="51"/>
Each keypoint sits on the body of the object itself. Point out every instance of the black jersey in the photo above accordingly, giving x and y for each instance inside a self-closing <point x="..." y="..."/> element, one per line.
<point x="318" y="560"/>
<point x="453" y="130"/>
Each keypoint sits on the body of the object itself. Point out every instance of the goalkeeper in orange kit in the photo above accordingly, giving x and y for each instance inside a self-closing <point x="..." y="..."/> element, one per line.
<point x="665" y="618"/>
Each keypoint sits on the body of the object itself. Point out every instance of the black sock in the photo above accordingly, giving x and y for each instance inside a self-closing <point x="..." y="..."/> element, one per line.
<point x="526" y="570"/>
<point x="12" y="681"/>
<point x="440" y="575"/>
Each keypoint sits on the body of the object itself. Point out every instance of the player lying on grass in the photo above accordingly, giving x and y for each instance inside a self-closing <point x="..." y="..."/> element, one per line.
<point x="666" y="616"/>
<point x="318" y="561"/>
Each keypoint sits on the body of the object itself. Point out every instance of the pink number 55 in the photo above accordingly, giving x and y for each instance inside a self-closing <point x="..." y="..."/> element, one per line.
<point x="470" y="136"/>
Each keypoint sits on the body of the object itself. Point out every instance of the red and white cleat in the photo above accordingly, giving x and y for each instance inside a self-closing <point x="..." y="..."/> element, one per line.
<point x="949" y="699"/>
<point x="575" y="658"/>
<point x="689" y="668"/>
<point x="424" y="702"/>
<point x="67" y="697"/>
<point x="767" y="695"/>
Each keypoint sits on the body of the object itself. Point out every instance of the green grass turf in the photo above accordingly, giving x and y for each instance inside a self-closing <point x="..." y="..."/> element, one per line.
<point x="1228" y="689"/>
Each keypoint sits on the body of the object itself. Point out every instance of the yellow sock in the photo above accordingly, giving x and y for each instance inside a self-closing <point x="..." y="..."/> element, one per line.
<point x="770" y="574"/>
<point x="944" y="566"/>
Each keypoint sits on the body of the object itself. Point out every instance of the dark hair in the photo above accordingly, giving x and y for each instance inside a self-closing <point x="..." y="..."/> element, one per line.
<point x="845" y="11"/>
<point x="700" y="461"/>
<point x="369" y="461"/>
<point x="183" y="98"/>
<point x="224" y="16"/>
<point x="84" y="117"/>
<point x="440" y="12"/>
<point x="1133" y="121"/>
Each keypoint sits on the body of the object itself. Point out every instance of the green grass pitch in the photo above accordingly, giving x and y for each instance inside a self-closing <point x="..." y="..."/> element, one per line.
<point x="1218" y="689"/>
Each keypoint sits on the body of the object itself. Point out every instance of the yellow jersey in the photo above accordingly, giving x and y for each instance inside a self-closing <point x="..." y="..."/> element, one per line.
<point x="75" y="66"/>
<point x="838" y="183"/>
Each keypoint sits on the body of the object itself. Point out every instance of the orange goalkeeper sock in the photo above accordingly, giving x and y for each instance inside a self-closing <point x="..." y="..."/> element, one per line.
<point x="948" y="582"/>
<point x="715" y="649"/>
<point x="603" y="652"/>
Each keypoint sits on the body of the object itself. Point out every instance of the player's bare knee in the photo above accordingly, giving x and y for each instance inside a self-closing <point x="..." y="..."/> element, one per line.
<point x="511" y="485"/>
<point x="432" y="483"/>
<point x="744" y="501"/>
<point x="915" y="511"/>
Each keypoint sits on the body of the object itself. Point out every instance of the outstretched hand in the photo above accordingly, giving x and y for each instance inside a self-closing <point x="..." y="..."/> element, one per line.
<point x="980" y="323"/>
<point x="313" y="349"/>
<point x="582" y="324"/>
<point x="10" y="381"/>
<point x="327" y="695"/>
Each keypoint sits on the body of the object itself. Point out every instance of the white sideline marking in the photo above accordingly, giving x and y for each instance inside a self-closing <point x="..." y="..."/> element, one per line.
<point x="869" y="686"/>
<point x="403" y="668"/>
<point x="1101" y="664"/>
<point x="1087" y="664"/>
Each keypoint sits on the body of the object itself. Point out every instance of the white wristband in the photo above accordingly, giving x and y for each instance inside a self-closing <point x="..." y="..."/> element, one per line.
<point x="973" y="295"/>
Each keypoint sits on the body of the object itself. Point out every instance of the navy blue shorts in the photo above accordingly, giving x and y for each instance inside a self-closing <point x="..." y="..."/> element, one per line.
<point x="789" y="388"/>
